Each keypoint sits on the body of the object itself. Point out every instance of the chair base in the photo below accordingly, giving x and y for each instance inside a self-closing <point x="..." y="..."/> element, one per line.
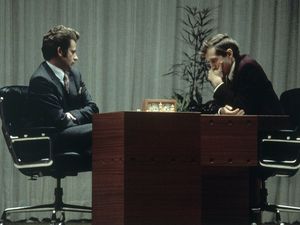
<point x="47" y="207"/>
<point x="275" y="209"/>
<point x="55" y="208"/>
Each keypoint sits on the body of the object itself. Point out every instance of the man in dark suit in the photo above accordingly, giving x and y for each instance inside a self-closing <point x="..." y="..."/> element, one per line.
<point x="240" y="84"/>
<point x="57" y="95"/>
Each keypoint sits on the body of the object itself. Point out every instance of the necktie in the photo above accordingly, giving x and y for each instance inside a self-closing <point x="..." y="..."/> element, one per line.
<point x="66" y="82"/>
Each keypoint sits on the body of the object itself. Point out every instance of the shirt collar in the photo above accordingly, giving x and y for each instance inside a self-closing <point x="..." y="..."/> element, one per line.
<point x="59" y="73"/>
<point x="230" y="75"/>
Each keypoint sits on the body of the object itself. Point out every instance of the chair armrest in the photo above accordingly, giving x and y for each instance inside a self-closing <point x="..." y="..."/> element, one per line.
<point x="281" y="134"/>
<point x="31" y="152"/>
<point x="279" y="153"/>
<point x="32" y="147"/>
<point x="36" y="131"/>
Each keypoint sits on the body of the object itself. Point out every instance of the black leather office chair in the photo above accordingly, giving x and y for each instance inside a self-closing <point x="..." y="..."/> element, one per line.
<point x="32" y="151"/>
<point x="279" y="154"/>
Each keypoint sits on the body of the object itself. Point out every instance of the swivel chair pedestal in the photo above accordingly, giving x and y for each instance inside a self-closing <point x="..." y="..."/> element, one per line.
<point x="273" y="208"/>
<point x="57" y="207"/>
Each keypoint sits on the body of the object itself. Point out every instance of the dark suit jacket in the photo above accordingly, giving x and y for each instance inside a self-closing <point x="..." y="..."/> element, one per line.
<point x="49" y="101"/>
<point x="249" y="90"/>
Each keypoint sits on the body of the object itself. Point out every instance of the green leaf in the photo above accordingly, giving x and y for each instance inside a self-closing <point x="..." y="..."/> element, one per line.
<point x="192" y="69"/>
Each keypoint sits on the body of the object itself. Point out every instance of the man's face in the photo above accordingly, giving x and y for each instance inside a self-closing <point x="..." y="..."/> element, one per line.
<point x="68" y="59"/>
<point x="216" y="61"/>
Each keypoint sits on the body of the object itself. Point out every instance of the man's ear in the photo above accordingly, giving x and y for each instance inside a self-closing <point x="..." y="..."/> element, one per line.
<point x="59" y="51"/>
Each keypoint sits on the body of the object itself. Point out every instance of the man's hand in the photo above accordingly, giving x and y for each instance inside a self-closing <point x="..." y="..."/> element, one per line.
<point x="215" y="76"/>
<point x="70" y="116"/>
<point x="227" y="110"/>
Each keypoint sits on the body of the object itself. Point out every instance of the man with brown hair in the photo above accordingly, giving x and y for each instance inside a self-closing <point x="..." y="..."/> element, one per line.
<point x="240" y="84"/>
<point x="57" y="95"/>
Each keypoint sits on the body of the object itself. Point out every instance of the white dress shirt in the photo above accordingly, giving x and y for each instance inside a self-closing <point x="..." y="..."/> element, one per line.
<point x="59" y="73"/>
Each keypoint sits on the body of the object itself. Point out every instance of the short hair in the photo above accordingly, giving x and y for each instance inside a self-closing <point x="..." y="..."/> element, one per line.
<point x="221" y="42"/>
<point x="58" y="36"/>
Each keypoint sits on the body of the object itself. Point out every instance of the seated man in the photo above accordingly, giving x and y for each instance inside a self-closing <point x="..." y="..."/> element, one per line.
<point x="240" y="84"/>
<point x="57" y="95"/>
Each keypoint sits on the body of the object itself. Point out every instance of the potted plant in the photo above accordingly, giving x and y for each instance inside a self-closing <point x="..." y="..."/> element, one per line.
<point x="193" y="68"/>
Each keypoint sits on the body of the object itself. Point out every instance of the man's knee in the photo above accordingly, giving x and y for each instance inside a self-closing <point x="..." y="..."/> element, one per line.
<point x="76" y="138"/>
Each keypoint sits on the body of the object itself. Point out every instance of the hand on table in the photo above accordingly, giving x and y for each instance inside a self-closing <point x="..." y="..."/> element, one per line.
<point x="228" y="110"/>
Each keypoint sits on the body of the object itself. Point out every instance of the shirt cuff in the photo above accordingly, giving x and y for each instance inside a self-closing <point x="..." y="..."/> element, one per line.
<point x="219" y="111"/>
<point x="218" y="86"/>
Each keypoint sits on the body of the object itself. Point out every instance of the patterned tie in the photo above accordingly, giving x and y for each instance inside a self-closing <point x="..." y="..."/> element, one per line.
<point x="66" y="82"/>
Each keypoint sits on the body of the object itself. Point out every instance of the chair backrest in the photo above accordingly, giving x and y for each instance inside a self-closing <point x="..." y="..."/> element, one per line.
<point x="290" y="101"/>
<point x="14" y="109"/>
<point x="13" y="112"/>
<point x="27" y="151"/>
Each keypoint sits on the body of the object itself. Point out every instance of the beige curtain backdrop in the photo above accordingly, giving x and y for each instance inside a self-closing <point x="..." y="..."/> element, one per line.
<point x="125" y="47"/>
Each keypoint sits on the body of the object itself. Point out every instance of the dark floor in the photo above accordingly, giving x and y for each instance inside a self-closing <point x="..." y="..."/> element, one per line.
<point x="41" y="223"/>
<point x="47" y="222"/>
<point x="88" y="222"/>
